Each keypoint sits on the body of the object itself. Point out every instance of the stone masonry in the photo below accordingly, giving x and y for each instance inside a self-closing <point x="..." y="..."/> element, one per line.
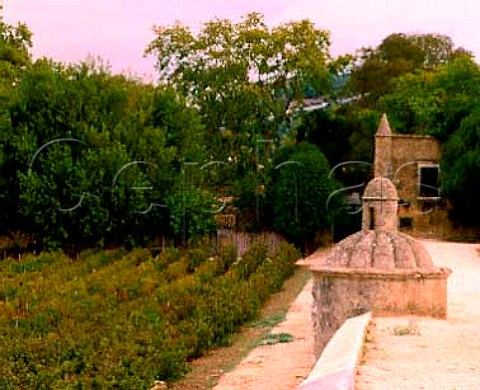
<point x="378" y="270"/>
<point x="402" y="158"/>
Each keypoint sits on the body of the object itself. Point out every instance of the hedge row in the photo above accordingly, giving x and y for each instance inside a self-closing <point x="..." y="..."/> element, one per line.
<point x="122" y="320"/>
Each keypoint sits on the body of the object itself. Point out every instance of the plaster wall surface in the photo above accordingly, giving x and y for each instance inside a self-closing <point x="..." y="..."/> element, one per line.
<point x="340" y="296"/>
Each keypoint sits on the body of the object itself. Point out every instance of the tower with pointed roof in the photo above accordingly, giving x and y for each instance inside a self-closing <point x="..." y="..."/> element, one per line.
<point x="379" y="268"/>
<point x="411" y="162"/>
<point x="383" y="149"/>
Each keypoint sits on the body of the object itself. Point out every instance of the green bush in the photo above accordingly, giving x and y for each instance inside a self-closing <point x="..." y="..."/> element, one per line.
<point x="300" y="191"/>
<point x="116" y="319"/>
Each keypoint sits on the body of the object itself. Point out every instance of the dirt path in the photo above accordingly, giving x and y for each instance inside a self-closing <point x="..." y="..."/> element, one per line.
<point x="205" y="372"/>
<point x="280" y="366"/>
<point x="409" y="353"/>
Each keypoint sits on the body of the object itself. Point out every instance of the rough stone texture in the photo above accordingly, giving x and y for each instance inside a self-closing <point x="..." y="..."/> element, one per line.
<point x="339" y="296"/>
<point x="399" y="157"/>
<point x="380" y="202"/>
<point x="377" y="269"/>
<point x="373" y="250"/>
<point x="380" y="188"/>
<point x="384" y="128"/>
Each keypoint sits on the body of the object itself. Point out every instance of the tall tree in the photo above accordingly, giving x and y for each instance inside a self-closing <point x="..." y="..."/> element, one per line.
<point x="434" y="102"/>
<point x="437" y="49"/>
<point x="15" y="45"/>
<point x="94" y="157"/>
<point x="461" y="170"/>
<point x="397" y="55"/>
<point x="243" y="76"/>
<point x="301" y="186"/>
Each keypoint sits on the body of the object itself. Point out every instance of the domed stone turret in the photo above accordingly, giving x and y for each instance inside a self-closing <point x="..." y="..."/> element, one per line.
<point x="377" y="269"/>
<point x="375" y="250"/>
<point x="380" y="204"/>
<point x="379" y="246"/>
<point x="380" y="188"/>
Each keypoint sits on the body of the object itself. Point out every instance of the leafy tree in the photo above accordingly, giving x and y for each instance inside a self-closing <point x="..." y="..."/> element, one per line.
<point x="324" y="128"/>
<point x="437" y="49"/>
<point x="183" y="129"/>
<point x="397" y="55"/>
<point x="15" y="45"/>
<point x="243" y="76"/>
<point x="191" y="213"/>
<point x="434" y="102"/>
<point x="399" y="47"/>
<point x="300" y="190"/>
<point x="412" y="103"/>
<point x="246" y="79"/>
<point x="460" y="168"/>
<point x="92" y="157"/>
<point x="345" y="135"/>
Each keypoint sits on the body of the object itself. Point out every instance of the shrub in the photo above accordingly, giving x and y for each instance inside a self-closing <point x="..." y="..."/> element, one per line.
<point x="118" y="320"/>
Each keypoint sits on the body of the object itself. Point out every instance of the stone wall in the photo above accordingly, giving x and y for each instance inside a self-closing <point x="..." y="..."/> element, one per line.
<point x="339" y="296"/>
<point x="337" y="366"/>
<point x="398" y="156"/>
<point x="408" y="152"/>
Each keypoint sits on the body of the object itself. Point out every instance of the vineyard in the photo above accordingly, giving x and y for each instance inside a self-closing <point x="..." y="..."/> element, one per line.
<point x="118" y="319"/>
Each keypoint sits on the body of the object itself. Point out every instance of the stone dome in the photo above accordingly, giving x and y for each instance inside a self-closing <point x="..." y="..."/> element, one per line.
<point x="380" y="204"/>
<point x="380" y="188"/>
<point x="377" y="269"/>
<point x="381" y="251"/>
<point x="379" y="247"/>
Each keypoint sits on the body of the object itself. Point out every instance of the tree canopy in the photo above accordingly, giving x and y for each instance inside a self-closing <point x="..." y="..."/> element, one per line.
<point x="434" y="102"/>
<point x="90" y="158"/>
<point x="461" y="170"/>
<point x="243" y="76"/>
<point x="397" y="55"/>
<point x="299" y="193"/>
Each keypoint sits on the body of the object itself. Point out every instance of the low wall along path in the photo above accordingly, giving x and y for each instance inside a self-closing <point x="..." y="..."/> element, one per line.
<point x="402" y="353"/>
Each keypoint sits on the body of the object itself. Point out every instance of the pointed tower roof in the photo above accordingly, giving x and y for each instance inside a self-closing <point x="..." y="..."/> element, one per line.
<point x="384" y="128"/>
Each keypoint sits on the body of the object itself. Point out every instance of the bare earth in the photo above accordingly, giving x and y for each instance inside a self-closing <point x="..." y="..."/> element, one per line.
<point x="433" y="355"/>
<point x="205" y="371"/>
<point x="421" y="353"/>
<point x="280" y="366"/>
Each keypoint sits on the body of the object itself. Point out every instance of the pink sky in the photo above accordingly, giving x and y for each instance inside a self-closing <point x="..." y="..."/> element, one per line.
<point x="119" y="30"/>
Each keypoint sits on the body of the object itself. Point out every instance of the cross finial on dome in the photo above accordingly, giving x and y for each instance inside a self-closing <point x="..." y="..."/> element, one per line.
<point x="384" y="128"/>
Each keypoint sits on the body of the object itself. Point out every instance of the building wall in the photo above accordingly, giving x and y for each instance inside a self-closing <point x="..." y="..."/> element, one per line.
<point x="398" y="157"/>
